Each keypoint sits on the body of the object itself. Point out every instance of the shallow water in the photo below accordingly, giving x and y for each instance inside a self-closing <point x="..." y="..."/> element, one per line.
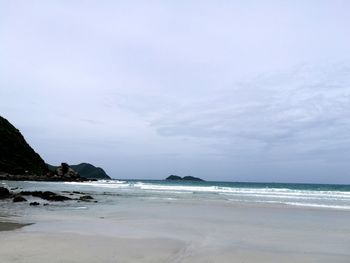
<point x="303" y="195"/>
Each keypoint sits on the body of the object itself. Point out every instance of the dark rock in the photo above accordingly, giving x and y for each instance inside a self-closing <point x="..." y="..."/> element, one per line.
<point x="19" y="198"/>
<point x="4" y="193"/>
<point x="191" y="178"/>
<point x="86" y="198"/>
<point x="45" y="177"/>
<point x="34" y="204"/>
<point x="26" y="193"/>
<point x="47" y="195"/>
<point x="173" y="177"/>
<point x="57" y="198"/>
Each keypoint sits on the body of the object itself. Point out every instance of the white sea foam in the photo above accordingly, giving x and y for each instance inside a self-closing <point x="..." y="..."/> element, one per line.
<point x="295" y="197"/>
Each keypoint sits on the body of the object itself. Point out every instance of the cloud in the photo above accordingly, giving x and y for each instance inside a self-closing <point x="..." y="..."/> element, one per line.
<point x="291" y="112"/>
<point x="201" y="86"/>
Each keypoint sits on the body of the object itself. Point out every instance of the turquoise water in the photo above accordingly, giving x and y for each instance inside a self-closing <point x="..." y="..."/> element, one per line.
<point x="298" y="186"/>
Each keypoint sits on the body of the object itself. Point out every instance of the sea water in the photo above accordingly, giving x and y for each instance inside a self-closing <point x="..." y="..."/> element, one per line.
<point x="302" y="195"/>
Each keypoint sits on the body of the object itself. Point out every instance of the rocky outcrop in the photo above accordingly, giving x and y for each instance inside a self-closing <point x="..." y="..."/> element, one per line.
<point x="46" y="177"/>
<point x="4" y="193"/>
<point x="85" y="198"/>
<point x="86" y="170"/>
<point x="18" y="199"/>
<point x="16" y="156"/>
<point x="66" y="171"/>
<point x="62" y="173"/>
<point x="47" y="195"/>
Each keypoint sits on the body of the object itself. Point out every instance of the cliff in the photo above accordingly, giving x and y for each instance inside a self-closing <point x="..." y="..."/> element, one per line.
<point x="16" y="156"/>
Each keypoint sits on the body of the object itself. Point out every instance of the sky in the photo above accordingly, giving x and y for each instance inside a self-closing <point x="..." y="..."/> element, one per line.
<point x="222" y="90"/>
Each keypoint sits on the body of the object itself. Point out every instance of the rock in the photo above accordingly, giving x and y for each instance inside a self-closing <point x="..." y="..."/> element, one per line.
<point x="86" y="170"/>
<point x="86" y="198"/>
<point x="173" y="177"/>
<point x="58" y="198"/>
<point x="4" y="193"/>
<point x="47" y="195"/>
<point x="66" y="171"/>
<point x="191" y="178"/>
<point x="19" y="198"/>
<point x="34" y="204"/>
<point x="79" y="193"/>
<point x="44" y="177"/>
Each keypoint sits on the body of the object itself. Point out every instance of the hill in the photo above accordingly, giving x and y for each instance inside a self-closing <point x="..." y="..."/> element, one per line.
<point x="16" y="156"/>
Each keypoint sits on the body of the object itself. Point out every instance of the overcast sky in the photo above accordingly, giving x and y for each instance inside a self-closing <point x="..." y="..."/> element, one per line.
<point x="224" y="90"/>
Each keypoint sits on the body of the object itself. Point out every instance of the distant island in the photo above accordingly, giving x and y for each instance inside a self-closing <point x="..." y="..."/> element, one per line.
<point x="185" y="178"/>
<point x="18" y="161"/>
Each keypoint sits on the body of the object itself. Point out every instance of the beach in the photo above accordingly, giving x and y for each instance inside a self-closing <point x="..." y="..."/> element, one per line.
<point x="120" y="228"/>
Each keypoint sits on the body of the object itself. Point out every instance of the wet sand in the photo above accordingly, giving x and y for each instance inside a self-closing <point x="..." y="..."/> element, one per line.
<point x="187" y="232"/>
<point x="8" y="226"/>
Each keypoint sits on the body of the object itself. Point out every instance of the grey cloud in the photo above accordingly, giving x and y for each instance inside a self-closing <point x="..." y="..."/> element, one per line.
<point x="299" y="112"/>
<point x="255" y="89"/>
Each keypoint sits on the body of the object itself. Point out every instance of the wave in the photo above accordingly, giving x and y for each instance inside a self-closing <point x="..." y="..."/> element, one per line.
<point x="295" y="197"/>
<point x="267" y="192"/>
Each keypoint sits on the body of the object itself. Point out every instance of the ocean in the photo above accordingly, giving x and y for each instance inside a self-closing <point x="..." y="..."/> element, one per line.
<point x="325" y="196"/>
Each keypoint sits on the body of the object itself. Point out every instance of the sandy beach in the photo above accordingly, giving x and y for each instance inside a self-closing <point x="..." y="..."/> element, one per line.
<point x="181" y="231"/>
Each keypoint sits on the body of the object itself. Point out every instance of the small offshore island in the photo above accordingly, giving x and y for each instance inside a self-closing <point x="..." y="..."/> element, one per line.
<point x="185" y="178"/>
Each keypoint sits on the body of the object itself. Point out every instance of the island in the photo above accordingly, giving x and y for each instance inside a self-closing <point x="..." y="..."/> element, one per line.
<point x="185" y="178"/>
